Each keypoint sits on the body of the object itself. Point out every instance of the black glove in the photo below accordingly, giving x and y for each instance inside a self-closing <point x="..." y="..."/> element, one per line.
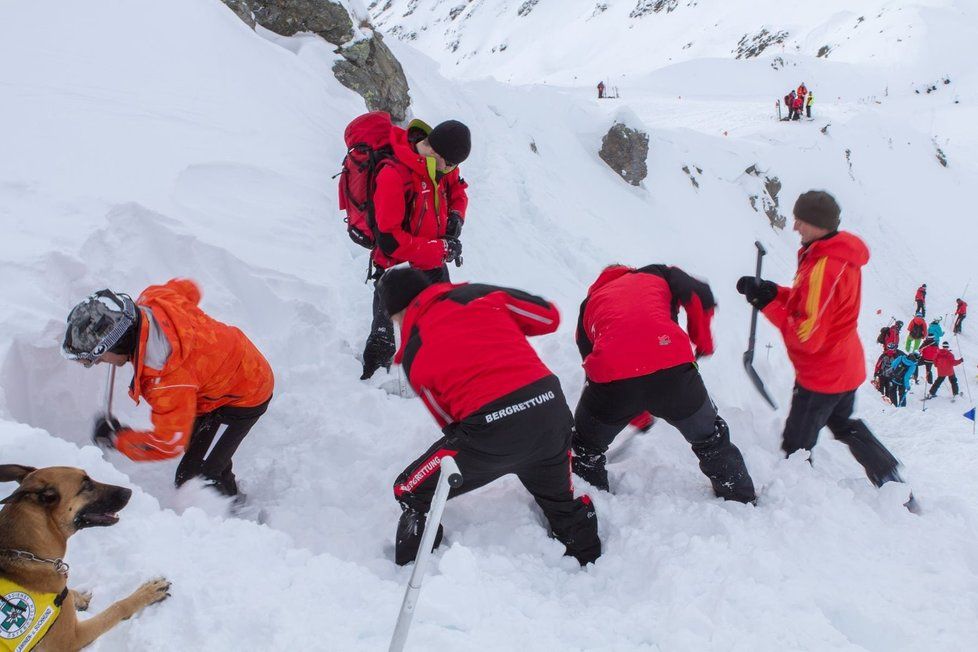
<point x="454" y="227"/>
<point x="453" y="251"/>
<point x="103" y="434"/>
<point x="759" y="293"/>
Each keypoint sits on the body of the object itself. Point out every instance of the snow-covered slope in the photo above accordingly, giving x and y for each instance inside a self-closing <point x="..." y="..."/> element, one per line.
<point x="145" y="141"/>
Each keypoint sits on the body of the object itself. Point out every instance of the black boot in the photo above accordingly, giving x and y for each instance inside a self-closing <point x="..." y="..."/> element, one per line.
<point x="723" y="464"/>
<point x="894" y="476"/>
<point x="407" y="541"/>
<point x="589" y="466"/>
<point x="580" y="537"/>
<point x="378" y="352"/>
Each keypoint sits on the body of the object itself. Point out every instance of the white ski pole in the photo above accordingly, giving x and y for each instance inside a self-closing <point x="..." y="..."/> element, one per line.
<point x="448" y="478"/>
<point x="109" y="387"/>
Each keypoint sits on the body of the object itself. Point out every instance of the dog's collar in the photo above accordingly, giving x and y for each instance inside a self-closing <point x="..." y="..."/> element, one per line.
<point x="59" y="564"/>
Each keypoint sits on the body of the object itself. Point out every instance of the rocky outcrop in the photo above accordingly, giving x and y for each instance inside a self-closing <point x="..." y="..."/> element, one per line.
<point x="368" y="67"/>
<point x="625" y="150"/>
<point x="766" y="199"/>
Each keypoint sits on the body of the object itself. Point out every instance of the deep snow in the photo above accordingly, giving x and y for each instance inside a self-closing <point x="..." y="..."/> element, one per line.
<point x="145" y="142"/>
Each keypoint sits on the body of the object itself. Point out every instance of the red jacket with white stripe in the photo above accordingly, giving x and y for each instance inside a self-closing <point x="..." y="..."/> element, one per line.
<point x="628" y="324"/>
<point x="819" y="313"/>
<point x="464" y="346"/>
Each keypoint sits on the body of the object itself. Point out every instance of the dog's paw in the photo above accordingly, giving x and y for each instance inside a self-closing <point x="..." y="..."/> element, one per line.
<point x="82" y="599"/>
<point x="152" y="592"/>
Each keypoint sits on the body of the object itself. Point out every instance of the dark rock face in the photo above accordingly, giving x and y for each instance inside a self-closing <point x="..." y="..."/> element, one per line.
<point x="368" y="67"/>
<point x="625" y="150"/>
<point x="287" y="17"/>
<point x="767" y="201"/>
<point x="241" y="8"/>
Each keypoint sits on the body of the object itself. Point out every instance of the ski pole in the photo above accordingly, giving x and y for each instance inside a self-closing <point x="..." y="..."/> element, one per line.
<point x="109" y="387"/>
<point x="449" y="478"/>
<point x="749" y="353"/>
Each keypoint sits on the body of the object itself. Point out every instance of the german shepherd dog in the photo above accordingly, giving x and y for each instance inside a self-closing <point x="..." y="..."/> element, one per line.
<point x="50" y="505"/>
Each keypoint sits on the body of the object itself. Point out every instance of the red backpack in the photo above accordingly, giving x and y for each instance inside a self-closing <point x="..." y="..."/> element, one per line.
<point x="368" y="142"/>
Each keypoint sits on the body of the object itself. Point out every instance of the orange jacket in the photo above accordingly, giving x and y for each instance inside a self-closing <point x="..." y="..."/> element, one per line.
<point x="187" y="364"/>
<point x="818" y="315"/>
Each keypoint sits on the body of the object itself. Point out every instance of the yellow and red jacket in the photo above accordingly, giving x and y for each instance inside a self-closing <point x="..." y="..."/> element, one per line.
<point x="819" y="313"/>
<point x="187" y="364"/>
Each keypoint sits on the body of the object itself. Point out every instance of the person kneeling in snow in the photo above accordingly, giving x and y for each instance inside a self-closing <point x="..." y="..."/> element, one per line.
<point x="817" y="317"/>
<point x="636" y="358"/>
<point x="464" y="350"/>
<point x="195" y="372"/>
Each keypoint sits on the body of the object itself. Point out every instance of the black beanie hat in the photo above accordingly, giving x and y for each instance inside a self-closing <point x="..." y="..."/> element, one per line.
<point x="398" y="287"/>
<point x="452" y="140"/>
<point x="818" y="208"/>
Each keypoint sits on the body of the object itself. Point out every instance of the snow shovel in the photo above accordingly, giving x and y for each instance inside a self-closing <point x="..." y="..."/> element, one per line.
<point x="448" y="478"/>
<point x="749" y="353"/>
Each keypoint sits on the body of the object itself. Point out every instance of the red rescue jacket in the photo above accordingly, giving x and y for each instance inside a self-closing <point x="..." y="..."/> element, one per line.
<point x="962" y="308"/>
<point x="921" y="328"/>
<point x="464" y="346"/>
<point x="187" y="364"/>
<point x="921" y="293"/>
<point x="929" y="352"/>
<point x="946" y="362"/>
<point x="411" y="203"/>
<point x="818" y="314"/>
<point x="628" y="324"/>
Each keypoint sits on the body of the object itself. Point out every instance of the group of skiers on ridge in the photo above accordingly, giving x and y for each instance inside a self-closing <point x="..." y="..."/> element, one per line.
<point x="464" y="350"/>
<point x="799" y="100"/>
<point x="896" y="368"/>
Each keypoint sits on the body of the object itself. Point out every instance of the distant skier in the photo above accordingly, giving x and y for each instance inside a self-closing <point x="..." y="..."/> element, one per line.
<point x="817" y="317"/>
<point x="600" y="90"/>
<point x="889" y="337"/>
<point x="902" y="368"/>
<point x="916" y="330"/>
<point x="796" y="106"/>
<point x="637" y="358"/>
<point x="420" y="205"/>
<point x="928" y="353"/>
<point x="501" y="410"/>
<point x="920" y="299"/>
<point x="196" y="373"/>
<point x="935" y="331"/>
<point x="960" y="313"/>
<point x="945" y="363"/>
<point x="789" y="104"/>
<point x="809" y="100"/>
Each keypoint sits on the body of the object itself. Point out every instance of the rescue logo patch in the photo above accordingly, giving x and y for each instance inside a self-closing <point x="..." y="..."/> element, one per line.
<point x="664" y="340"/>
<point x="17" y="610"/>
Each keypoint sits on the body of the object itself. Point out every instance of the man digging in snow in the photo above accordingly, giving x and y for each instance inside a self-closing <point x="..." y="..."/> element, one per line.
<point x="817" y="317"/>
<point x="464" y="351"/>
<point x="196" y="373"/>
<point x="638" y="358"/>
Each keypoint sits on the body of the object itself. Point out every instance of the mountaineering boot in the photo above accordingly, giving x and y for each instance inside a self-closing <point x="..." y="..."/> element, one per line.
<point x="723" y="464"/>
<point x="378" y="352"/>
<point x="579" y="532"/>
<point x="590" y="467"/>
<point x="410" y="529"/>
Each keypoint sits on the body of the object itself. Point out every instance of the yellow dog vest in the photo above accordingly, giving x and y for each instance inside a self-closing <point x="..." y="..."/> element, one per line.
<point x="26" y="616"/>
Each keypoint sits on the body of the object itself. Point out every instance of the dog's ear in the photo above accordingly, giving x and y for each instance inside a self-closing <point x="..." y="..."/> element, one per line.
<point x="14" y="472"/>
<point x="44" y="496"/>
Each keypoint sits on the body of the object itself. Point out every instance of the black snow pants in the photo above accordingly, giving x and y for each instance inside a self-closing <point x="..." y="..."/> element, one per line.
<point x="212" y="460"/>
<point x="677" y="395"/>
<point x="958" y="322"/>
<point x="920" y="307"/>
<point x="811" y="411"/>
<point x="940" y="381"/>
<point x="379" y="349"/>
<point x="929" y="367"/>
<point x="526" y="433"/>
